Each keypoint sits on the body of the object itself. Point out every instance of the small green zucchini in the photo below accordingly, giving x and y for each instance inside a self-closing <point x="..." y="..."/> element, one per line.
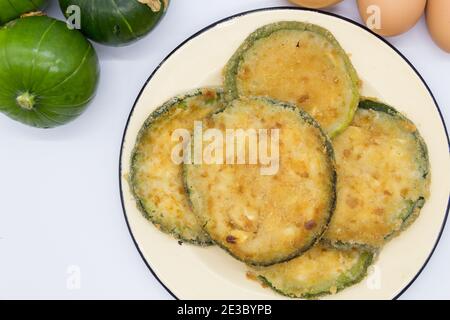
<point x="116" y="22"/>
<point x="12" y="9"/>
<point x="48" y="73"/>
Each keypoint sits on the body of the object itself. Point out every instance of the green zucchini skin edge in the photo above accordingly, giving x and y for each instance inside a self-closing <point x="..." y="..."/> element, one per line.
<point x="115" y="22"/>
<point x="231" y="69"/>
<point x="152" y="216"/>
<point x="415" y="206"/>
<point x="12" y="9"/>
<point x="424" y="162"/>
<point x="339" y="245"/>
<point x="330" y="153"/>
<point x="345" y="280"/>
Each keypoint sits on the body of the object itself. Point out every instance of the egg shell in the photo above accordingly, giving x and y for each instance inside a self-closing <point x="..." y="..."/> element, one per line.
<point x="315" y="4"/>
<point x="391" y="17"/>
<point x="438" y="21"/>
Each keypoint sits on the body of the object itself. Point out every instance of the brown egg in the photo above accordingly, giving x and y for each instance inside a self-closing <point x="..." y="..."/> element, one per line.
<point x="391" y="17"/>
<point x="438" y="20"/>
<point x="315" y="3"/>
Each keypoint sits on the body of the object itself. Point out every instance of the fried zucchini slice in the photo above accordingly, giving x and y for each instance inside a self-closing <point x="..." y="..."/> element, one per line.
<point x="383" y="177"/>
<point x="320" y="271"/>
<point x="299" y="63"/>
<point x="258" y="218"/>
<point x="156" y="180"/>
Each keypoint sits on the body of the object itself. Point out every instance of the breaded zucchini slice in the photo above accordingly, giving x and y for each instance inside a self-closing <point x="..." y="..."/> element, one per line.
<point x="263" y="219"/>
<point x="155" y="179"/>
<point x="383" y="177"/>
<point x="299" y="63"/>
<point x="320" y="271"/>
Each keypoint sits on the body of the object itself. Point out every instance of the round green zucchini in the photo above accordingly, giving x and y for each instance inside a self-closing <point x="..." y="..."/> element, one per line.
<point x="263" y="218"/>
<point x="12" y="9"/>
<point x="320" y="271"/>
<point x="116" y="22"/>
<point x="48" y="73"/>
<point x="156" y="181"/>
<point x="300" y="63"/>
<point x="383" y="177"/>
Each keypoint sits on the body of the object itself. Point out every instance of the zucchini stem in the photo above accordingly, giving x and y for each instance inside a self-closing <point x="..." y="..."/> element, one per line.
<point x="26" y="100"/>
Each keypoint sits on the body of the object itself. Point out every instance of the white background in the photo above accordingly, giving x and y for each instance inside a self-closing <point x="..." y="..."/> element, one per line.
<point x="59" y="189"/>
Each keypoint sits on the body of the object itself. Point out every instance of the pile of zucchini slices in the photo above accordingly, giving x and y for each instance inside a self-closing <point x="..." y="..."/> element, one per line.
<point x="352" y="172"/>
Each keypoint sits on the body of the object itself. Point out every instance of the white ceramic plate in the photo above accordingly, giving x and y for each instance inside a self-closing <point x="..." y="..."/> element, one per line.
<point x="189" y="272"/>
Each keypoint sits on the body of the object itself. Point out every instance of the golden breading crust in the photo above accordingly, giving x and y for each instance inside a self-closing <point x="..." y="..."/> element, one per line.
<point x="383" y="177"/>
<point x="155" y="179"/>
<point x="266" y="219"/>
<point x="318" y="272"/>
<point x="299" y="63"/>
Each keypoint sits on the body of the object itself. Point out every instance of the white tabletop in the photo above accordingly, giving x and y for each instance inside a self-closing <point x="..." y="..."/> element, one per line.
<point x="62" y="229"/>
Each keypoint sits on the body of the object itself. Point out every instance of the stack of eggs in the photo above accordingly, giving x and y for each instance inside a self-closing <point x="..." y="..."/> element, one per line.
<point x="390" y="18"/>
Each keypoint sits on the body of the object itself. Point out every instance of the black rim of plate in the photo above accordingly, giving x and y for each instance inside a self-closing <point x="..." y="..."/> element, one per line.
<point x="240" y="15"/>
